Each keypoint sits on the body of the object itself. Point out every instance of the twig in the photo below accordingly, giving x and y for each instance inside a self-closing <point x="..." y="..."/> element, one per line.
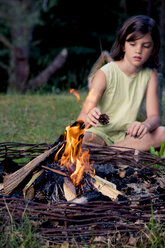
<point x="56" y="171"/>
<point x="11" y="218"/>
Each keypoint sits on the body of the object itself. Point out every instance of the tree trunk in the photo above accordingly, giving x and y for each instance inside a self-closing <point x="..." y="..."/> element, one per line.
<point x="21" y="28"/>
<point x="19" y="67"/>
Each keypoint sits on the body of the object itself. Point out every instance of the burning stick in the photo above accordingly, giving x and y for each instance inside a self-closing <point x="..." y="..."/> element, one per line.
<point x="54" y="170"/>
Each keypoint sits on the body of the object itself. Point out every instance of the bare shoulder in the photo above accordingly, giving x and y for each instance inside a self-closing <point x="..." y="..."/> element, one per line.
<point x="99" y="80"/>
<point x="154" y="76"/>
<point x="152" y="101"/>
<point x="153" y="82"/>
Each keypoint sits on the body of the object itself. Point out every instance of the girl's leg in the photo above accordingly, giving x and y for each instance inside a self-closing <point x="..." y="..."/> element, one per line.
<point x="150" y="139"/>
<point x="92" y="139"/>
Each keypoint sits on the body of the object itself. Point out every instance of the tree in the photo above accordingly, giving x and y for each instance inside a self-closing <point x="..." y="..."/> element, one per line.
<point x="18" y="19"/>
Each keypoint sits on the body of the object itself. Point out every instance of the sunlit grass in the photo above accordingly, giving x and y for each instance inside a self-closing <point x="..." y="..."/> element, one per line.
<point x="37" y="118"/>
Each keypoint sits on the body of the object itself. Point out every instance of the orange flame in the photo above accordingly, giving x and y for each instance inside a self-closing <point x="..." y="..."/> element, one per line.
<point x="73" y="153"/>
<point x="74" y="92"/>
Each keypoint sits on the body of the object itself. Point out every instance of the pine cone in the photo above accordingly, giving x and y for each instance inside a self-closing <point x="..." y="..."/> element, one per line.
<point x="104" y="119"/>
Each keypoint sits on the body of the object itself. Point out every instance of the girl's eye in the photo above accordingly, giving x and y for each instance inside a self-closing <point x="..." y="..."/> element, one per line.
<point x="132" y="44"/>
<point x="146" y="46"/>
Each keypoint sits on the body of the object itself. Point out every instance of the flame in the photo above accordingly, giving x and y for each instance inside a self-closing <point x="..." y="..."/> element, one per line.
<point x="74" y="92"/>
<point x="73" y="155"/>
<point x="82" y="166"/>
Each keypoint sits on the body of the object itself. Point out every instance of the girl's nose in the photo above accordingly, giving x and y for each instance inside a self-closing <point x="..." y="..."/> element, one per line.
<point x="138" y="49"/>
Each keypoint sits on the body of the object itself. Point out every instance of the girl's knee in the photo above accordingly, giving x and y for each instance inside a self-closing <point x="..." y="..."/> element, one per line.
<point x="92" y="139"/>
<point x="158" y="136"/>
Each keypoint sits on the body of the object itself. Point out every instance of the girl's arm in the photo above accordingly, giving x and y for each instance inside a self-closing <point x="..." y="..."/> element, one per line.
<point x="139" y="129"/>
<point x="90" y="113"/>
<point x="152" y="103"/>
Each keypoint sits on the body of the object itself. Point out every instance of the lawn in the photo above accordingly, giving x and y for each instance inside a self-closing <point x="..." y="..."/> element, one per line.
<point x="37" y="118"/>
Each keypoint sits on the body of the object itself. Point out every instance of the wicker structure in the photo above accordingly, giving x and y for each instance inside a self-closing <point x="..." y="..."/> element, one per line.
<point x="66" y="221"/>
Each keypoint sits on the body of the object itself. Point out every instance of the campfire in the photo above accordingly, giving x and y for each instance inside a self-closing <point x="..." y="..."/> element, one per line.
<point x="66" y="161"/>
<point x="67" y="171"/>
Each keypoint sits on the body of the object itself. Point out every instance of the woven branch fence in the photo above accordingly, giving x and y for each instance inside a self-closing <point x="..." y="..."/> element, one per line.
<point x="66" y="221"/>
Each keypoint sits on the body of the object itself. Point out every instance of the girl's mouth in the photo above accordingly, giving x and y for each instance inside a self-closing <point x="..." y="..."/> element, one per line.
<point x="137" y="58"/>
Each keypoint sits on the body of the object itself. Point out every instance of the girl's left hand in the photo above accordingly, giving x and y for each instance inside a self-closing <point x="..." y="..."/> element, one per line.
<point x="138" y="129"/>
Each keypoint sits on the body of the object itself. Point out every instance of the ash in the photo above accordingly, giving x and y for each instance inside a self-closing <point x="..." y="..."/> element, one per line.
<point x="136" y="184"/>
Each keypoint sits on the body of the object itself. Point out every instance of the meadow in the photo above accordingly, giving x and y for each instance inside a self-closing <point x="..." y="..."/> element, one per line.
<point x="37" y="118"/>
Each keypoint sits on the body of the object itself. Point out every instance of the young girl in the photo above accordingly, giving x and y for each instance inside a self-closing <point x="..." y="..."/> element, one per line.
<point x="118" y="89"/>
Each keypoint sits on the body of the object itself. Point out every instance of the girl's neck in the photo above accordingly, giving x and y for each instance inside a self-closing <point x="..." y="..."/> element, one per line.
<point x="127" y="68"/>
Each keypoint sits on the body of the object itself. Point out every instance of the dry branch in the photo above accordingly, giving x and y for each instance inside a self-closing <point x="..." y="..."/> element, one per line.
<point x="43" y="77"/>
<point x="13" y="180"/>
<point x="54" y="170"/>
<point x="106" y="188"/>
<point x="27" y="188"/>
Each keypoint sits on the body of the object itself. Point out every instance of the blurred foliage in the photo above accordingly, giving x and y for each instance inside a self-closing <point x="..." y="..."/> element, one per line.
<point x="85" y="28"/>
<point x="161" y="152"/>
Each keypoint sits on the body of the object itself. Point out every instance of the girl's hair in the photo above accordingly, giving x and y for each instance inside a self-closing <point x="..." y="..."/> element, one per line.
<point x="138" y="26"/>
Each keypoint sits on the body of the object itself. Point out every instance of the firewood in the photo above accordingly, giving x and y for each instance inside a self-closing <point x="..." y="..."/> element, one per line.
<point x="27" y="189"/>
<point x="11" y="181"/>
<point x="54" y="170"/>
<point x="69" y="189"/>
<point x="106" y="188"/>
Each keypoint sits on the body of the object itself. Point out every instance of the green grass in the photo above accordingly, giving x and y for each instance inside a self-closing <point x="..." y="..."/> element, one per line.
<point x="37" y="118"/>
<point x="153" y="236"/>
<point x="23" y="235"/>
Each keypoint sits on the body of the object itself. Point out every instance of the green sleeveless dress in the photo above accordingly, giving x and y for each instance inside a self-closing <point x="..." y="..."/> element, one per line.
<point x="121" y="101"/>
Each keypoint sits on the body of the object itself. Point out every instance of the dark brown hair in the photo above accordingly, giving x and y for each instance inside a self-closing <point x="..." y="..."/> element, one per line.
<point x="138" y="26"/>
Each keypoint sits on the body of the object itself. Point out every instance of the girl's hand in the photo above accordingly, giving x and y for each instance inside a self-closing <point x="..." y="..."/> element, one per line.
<point x="93" y="116"/>
<point x="138" y="129"/>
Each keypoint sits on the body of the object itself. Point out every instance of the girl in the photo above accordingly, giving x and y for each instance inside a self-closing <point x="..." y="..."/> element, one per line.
<point x="118" y="89"/>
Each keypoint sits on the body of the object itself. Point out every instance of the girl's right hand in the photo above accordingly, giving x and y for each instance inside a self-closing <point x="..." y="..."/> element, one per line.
<point x="93" y="116"/>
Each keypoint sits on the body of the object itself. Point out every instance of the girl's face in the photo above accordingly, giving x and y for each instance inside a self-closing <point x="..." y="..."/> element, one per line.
<point x="137" y="52"/>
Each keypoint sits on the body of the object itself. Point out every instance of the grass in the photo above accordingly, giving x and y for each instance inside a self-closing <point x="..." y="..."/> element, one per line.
<point x="153" y="236"/>
<point x="21" y="235"/>
<point x="37" y="118"/>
